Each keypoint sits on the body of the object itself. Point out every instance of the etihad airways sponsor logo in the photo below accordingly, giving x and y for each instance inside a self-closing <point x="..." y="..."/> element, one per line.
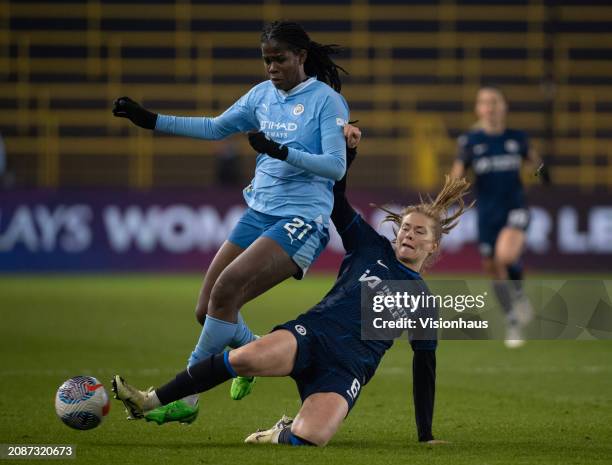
<point x="278" y="126"/>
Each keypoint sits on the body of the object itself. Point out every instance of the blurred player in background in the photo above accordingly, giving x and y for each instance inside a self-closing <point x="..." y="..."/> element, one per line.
<point x="295" y="122"/>
<point x="322" y="350"/>
<point x="496" y="153"/>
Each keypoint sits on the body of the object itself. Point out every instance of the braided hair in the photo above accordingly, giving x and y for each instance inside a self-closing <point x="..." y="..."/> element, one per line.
<point x="318" y="62"/>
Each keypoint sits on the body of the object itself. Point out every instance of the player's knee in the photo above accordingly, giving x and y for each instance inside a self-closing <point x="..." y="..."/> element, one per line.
<point x="501" y="254"/>
<point x="201" y="310"/>
<point x="200" y="314"/>
<point x="202" y="306"/>
<point x="505" y="258"/>
<point x="315" y="437"/>
<point x="224" y="298"/>
<point x="243" y="361"/>
<point x="506" y="253"/>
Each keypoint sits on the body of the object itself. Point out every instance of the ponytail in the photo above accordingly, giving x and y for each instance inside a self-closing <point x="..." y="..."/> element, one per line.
<point x="437" y="209"/>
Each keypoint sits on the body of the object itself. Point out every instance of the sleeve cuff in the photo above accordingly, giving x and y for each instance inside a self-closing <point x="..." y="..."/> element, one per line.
<point x="161" y="124"/>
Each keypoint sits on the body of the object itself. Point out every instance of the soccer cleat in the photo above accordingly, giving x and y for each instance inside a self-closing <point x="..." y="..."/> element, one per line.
<point x="514" y="337"/>
<point x="132" y="398"/>
<point x="241" y="387"/>
<point x="179" y="410"/>
<point x="269" y="436"/>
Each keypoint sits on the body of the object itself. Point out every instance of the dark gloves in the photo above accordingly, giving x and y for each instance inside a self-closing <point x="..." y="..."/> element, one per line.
<point x="543" y="174"/>
<point x="261" y="144"/>
<point x="125" y="107"/>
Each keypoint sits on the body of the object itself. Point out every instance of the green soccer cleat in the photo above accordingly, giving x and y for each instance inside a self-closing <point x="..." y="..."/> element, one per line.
<point x="241" y="387"/>
<point x="179" y="410"/>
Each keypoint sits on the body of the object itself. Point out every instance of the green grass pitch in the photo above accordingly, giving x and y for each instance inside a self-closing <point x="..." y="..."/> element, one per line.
<point x="547" y="403"/>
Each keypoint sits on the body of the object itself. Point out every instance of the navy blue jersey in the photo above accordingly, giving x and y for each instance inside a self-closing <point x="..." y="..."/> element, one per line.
<point x="331" y="355"/>
<point x="369" y="256"/>
<point x="496" y="161"/>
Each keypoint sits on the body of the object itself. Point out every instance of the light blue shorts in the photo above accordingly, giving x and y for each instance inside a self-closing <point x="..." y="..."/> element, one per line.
<point x="302" y="239"/>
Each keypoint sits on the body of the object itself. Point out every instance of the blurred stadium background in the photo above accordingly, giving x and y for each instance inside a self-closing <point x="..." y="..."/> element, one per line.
<point x="83" y="191"/>
<point x="414" y="69"/>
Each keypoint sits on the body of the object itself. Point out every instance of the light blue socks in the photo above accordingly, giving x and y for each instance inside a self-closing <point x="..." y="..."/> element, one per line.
<point x="217" y="334"/>
<point x="243" y="334"/>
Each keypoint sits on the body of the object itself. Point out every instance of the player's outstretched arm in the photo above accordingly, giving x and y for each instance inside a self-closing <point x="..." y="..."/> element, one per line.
<point x="237" y="118"/>
<point x="343" y="214"/>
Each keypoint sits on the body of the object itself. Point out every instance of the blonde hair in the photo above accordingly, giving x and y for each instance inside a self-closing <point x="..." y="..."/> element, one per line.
<point x="437" y="210"/>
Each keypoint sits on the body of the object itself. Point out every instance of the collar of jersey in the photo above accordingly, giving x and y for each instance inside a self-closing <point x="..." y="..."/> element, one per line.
<point x="501" y="134"/>
<point x="301" y="86"/>
<point x="407" y="270"/>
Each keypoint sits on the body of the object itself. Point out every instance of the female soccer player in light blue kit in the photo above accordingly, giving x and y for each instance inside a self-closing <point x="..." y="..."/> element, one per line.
<point x="295" y="122"/>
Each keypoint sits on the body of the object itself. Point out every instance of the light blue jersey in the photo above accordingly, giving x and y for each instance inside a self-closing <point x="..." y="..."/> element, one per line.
<point x="309" y="120"/>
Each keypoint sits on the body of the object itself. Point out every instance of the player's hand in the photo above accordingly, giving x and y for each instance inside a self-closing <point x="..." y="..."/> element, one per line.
<point x="352" y="134"/>
<point x="125" y="107"/>
<point x="543" y="174"/>
<point x="261" y="144"/>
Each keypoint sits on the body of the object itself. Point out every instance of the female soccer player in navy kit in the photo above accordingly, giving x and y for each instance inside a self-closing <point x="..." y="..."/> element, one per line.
<point x="495" y="153"/>
<point x="299" y="117"/>
<point x="322" y="349"/>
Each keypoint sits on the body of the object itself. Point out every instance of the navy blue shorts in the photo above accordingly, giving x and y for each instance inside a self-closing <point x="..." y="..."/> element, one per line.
<point x="489" y="229"/>
<point x="316" y="369"/>
<point x="302" y="239"/>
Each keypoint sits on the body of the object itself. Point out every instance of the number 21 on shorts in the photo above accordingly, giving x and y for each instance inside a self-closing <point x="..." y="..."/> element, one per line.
<point x="294" y="226"/>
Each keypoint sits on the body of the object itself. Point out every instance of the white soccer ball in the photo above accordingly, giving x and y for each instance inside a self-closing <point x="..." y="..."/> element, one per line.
<point x="82" y="402"/>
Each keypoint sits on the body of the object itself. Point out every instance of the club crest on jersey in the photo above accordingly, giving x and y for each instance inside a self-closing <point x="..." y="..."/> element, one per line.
<point x="300" y="330"/>
<point x="298" y="109"/>
<point x="511" y="146"/>
<point x="479" y="149"/>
